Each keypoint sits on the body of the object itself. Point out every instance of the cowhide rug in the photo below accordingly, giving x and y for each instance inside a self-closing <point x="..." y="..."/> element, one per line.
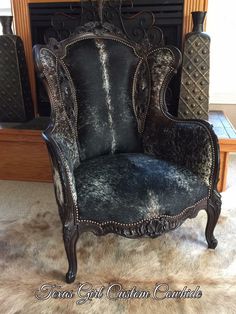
<point x="32" y="255"/>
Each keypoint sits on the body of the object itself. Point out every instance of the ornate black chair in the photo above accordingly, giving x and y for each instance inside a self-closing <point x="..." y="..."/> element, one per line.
<point x="121" y="163"/>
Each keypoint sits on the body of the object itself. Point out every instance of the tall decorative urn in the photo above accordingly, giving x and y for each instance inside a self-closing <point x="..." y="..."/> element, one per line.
<point x="6" y="22"/>
<point x="194" y="90"/>
<point x="15" y="94"/>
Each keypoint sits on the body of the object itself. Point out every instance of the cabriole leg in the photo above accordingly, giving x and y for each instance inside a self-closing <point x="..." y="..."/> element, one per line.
<point x="213" y="212"/>
<point x="70" y="235"/>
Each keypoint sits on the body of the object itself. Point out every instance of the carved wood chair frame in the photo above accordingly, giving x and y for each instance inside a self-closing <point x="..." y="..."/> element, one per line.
<point x="66" y="158"/>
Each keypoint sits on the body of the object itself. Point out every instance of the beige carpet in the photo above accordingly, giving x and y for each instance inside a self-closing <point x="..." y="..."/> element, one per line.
<point x="32" y="254"/>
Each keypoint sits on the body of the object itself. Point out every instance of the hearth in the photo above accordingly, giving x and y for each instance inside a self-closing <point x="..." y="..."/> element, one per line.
<point x="58" y="20"/>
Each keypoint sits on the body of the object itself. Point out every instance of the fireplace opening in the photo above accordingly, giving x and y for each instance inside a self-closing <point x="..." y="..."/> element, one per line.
<point x="59" y="19"/>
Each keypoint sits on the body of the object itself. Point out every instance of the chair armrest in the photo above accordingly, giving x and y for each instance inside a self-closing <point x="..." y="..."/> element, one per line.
<point x="65" y="158"/>
<point x="61" y="135"/>
<point x="189" y="143"/>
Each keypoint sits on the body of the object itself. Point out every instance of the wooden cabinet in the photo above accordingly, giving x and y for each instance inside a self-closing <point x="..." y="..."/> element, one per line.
<point x="227" y="140"/>
<point x="24" y="156"/>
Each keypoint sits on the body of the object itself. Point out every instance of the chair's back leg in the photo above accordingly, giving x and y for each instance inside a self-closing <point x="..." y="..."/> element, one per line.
<point x="70" y="236"/>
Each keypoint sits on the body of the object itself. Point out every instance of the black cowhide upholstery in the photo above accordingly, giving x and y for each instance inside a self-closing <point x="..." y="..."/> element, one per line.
<point x="130" y="187"/>
<point x="121" y="163"/>
<point x="103" y="71"/>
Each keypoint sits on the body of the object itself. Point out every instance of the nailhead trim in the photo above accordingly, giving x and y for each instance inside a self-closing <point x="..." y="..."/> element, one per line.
<point x="162" y="101"/>
<point x="161" y="107"/>
<point x="101" y="37"/>
<point x="143" y="220"/>
<point x="54" y="101"/>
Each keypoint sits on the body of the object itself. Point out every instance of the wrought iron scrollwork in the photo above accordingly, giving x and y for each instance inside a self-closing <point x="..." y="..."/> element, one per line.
<point x="138" y="27"/>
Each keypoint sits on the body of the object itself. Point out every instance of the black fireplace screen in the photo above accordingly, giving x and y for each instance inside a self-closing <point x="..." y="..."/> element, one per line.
<point x="58" y="20"/>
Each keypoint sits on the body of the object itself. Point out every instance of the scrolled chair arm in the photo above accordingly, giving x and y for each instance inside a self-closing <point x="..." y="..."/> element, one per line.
<point x="60" y="136"/>
<point x="64" y="158"/>
<point x="189" y="143"/>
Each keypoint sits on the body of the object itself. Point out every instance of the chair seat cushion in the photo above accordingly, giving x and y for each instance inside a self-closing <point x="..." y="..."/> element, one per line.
<point x="127" y="188"/>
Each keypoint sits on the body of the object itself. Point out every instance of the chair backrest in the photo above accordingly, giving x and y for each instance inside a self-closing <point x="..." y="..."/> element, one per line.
<point x="103" y="85"/>
<point x="102" y="70"/>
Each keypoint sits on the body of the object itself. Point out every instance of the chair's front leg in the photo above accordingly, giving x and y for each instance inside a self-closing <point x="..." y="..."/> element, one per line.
<point x="70" y="236"/>
<point x="213" y="212"/>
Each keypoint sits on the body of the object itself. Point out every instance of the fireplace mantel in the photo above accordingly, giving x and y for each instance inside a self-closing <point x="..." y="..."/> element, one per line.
<point x="22" y="26"/>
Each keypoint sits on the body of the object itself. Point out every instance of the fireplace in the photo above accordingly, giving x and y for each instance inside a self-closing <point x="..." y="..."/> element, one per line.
<point x="34" y="18"/>
<point x="58" y="20"/>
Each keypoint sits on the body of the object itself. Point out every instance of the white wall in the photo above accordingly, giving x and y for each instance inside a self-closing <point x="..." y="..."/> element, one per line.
<point x="5" y="9"/>
<point x="221" y="26"/>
